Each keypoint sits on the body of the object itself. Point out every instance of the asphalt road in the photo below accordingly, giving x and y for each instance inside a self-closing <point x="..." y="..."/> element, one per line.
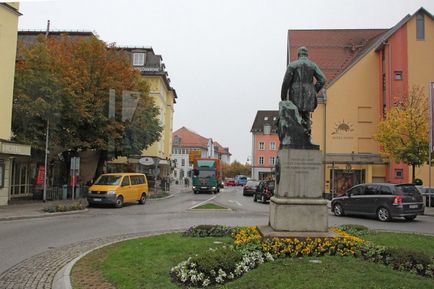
<point x="22" y="239"/>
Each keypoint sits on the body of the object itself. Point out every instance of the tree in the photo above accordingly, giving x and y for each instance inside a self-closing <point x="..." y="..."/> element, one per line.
<point x="404" y="133"/>
<point x="67" y="81"/>
<point x="236" y="168"/>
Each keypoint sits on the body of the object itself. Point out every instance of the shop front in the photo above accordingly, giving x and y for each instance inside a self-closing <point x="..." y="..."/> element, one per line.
<point x="15" y="171"/>
<point x="343" y="171"/>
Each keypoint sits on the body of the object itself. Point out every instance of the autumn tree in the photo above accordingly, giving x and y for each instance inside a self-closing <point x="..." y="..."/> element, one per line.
<point x="236" y="168"/>
<point x="66" y="82"/>
<point x="404" y="133"/>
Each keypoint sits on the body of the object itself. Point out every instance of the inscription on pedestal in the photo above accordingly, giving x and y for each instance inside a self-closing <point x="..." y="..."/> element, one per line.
<point x="300" y="174"/>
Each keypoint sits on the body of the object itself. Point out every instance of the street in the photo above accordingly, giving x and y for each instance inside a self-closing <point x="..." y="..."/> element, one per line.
<point x="23" y="239"/>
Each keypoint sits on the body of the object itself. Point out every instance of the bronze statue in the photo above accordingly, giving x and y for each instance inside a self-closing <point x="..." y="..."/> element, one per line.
<point x="299" y="100"/>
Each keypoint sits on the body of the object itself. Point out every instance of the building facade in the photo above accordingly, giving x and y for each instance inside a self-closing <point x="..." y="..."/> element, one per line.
<point x="14" y="157"/>
<point x="188" y="145"/>
<point x="153" y="70"/>
<point x="367" y="70"/>
<point x="265" y="144"/>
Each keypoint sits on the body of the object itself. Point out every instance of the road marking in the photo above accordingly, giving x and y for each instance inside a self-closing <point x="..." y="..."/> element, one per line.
<point x="206" y="201"/>
<point x="236" y="202"/>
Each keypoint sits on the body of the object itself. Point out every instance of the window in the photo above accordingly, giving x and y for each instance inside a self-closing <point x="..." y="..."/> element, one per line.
<point x="371" y="190"/>
<point x="272" y="161"/>
<point x="125" y="181"/>
<point x="356" y="191"/>
<point x="261" y="145"/>
<point x="2" y="174"/>
<point x="420" y="27"/>
<point x="182" y="162"/>
<point x="383" y="190"/>
<point x="138" y="59"/>
<point x="261" y="160"/>
<point x="272" y="146"/>
<point x="399" y="173"/>
<point x="398" y="75"/>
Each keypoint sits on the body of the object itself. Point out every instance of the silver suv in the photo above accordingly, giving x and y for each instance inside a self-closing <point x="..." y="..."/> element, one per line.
<point x="383" y="201"/>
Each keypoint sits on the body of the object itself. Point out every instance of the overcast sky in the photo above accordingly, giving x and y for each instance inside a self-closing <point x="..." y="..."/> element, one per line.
<point x="225" y="58"/>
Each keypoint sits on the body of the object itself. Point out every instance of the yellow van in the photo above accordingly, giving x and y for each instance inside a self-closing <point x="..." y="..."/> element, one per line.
<point x="118" y="188"/>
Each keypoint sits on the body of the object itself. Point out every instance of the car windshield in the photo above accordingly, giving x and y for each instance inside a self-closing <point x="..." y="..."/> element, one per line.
<point x="108" y="180"/>
<point x="409" y="190"/>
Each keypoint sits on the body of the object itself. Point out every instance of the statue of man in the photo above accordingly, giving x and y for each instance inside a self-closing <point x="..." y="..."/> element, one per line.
<point x="299" y="88"/>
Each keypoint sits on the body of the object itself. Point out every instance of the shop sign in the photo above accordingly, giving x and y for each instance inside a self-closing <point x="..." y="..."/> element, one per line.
<point x="14" y="149"/>
<point x="343" y="130"/>
<point x="146" y="161"/>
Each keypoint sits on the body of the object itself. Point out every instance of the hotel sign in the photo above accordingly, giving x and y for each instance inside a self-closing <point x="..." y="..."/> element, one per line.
<point x="14" y="149"/>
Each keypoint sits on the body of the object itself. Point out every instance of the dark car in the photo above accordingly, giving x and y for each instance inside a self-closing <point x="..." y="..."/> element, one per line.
<point x="427" y="193"/>
<point x="383" y="201"/>
<point x="250" y="188"/>
<point x="264" y="191"/>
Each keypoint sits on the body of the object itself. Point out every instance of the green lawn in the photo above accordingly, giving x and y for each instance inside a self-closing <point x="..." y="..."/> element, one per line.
<point x="146" y="263"/>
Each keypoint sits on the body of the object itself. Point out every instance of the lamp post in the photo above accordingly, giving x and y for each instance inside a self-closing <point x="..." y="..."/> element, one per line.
<point x="44" y="194"/>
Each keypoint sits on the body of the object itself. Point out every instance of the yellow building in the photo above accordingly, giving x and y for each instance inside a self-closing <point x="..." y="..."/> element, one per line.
<point x="13" y="157"/>
<point x="153" y="70"/>
<point x="366" y="70"/>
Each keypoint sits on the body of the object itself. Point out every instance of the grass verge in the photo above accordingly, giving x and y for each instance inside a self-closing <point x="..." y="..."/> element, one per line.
<point x="146" y="263"/>
<point x="210" y="206"/>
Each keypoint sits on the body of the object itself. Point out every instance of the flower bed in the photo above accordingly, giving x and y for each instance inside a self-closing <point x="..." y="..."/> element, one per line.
<point x="223" y="264"/>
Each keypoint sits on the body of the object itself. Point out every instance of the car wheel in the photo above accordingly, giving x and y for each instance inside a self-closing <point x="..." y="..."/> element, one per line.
<point x="119" y="202"/>
<point x="410" y="218"/>
<point x="142" y="200"/>
<point x="338" y="211"/>
<point x="383" y="214"/>
<point x="195" y="192"/>
<point x="255" y="199"/>
<point x="263" y="200"/>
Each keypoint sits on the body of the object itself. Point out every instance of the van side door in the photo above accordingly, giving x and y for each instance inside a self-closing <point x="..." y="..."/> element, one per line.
<point x="126" y="189"/>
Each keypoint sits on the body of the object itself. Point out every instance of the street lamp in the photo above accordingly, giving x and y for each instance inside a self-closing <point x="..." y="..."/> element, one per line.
<point x="44" y="194"/>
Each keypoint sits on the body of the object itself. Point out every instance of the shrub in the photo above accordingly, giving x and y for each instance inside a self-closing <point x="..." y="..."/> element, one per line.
<point x="217" y="266"/>
<point x="224" y="258"/>
<point x="399" y="259"/>
<point x="355" y="230"/>
<point x="64" y="208"/>
<point x="208" y="231"/>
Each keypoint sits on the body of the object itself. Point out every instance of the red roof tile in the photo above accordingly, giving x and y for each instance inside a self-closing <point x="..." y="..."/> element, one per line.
<point x="188" y="138"/>
<point x="333" y="50"/>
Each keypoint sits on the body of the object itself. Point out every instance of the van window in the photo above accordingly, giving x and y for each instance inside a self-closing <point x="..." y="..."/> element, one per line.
<point x="126" y="181"/>
<point x="108" y="180"/>
<point x="137" y="180"/>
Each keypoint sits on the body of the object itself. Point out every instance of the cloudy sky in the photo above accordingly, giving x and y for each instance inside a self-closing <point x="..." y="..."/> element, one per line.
<point x="226" y="58"/>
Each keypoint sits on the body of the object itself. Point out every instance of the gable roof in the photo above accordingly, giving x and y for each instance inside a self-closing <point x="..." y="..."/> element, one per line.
<point x="336" y="51"/>
<point x="264" y="117"/>
<point x="332" y="50"/>
<point x="189" y="138"/>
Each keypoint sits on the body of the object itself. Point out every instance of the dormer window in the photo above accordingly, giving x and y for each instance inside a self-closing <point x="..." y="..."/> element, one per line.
<point x="138" y="59"/>
<point x="267" y="129"/>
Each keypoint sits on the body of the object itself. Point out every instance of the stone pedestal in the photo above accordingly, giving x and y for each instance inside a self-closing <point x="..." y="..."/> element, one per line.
<point x="298" y="205"/>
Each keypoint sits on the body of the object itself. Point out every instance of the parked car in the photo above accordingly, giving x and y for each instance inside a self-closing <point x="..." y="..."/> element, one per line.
<point x="118" y="188"/>
<point x="426" y="193"/>
<point x="250" y="188"/>
<point x="240" y="180"/>
<point x="229" y="182"/>
<point x="381" y="200"/>
<point x="264" y="191"/>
